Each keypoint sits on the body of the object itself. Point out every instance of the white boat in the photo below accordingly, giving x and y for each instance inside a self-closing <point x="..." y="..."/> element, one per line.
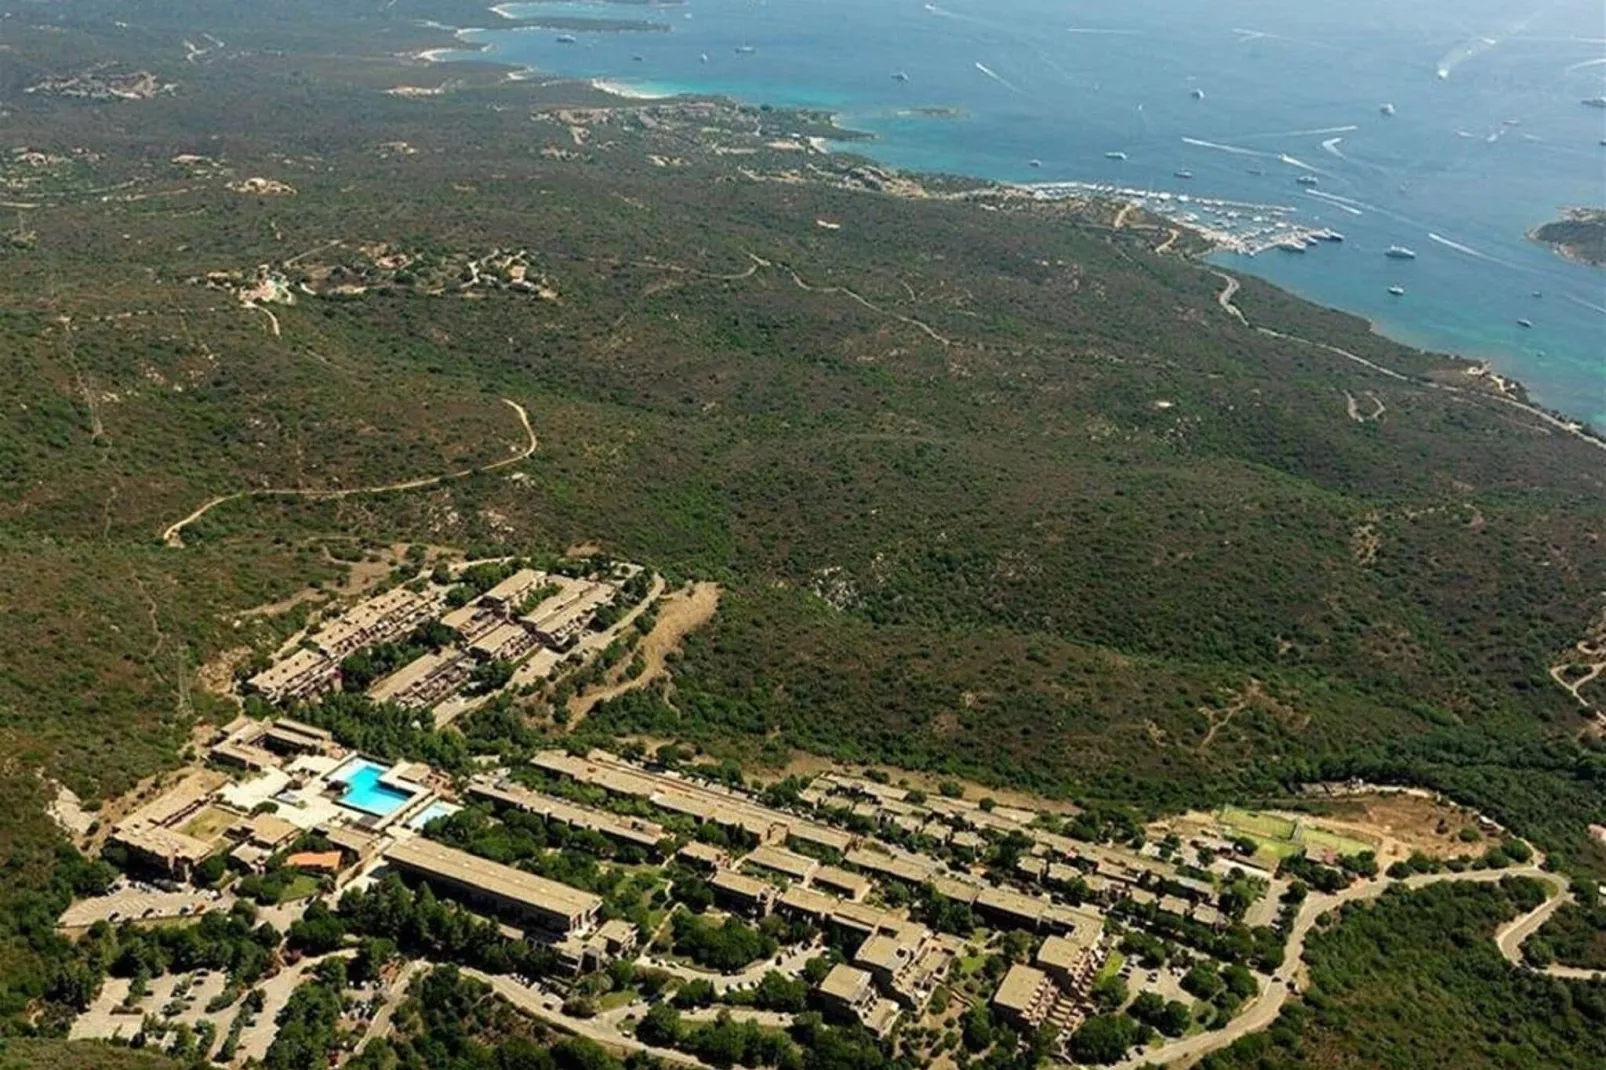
<point x="1115" y="155"/>
<point x="1034" y="163"/>
<point x="1183" y="174"/>
<point x="1197" y="94"/>
<point x="566" y="39"/>
<point x="1525" y="323"/>
<point x="899" y="76"/>
<point x="1291" y="246"/>
<point x="1331" y="235"/>
<point x="1399" y="252"/>
<point x="1397" y="291"/>
<point x="1308" y="180"/>
<point x="1387" y="109"/>
<point x="745" y="50"/>
<point x="1595" y="102"/>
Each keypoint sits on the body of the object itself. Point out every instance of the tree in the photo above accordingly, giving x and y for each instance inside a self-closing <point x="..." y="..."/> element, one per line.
<point x="1201" y="980"/>
<point x="1104" y="1039"/>
<point x="318" y="931"/>
<point x="1109" y="992"/>
<point x="660" y="1027"/>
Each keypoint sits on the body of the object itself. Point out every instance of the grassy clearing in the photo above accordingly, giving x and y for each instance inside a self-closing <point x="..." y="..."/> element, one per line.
<point x="1259" y="825"/>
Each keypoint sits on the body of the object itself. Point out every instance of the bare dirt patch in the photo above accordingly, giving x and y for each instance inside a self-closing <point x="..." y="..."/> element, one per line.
<point x="679" y="615"/>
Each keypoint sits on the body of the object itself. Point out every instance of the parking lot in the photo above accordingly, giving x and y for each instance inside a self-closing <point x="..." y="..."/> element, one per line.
<point x="133" y="903"/>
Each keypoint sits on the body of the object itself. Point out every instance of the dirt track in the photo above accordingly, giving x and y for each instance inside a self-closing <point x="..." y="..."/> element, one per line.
<point x="678" y="616"/>
<point x="173" y="534"/>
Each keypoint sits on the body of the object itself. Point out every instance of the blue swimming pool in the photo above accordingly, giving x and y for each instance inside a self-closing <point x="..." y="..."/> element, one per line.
<point x="364" y="791"/>
<point x="430" y="813"/>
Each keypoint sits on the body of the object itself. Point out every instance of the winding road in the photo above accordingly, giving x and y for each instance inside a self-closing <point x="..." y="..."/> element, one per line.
<point x="173" y="534"/>
<point x="1291" y="977"/>
<point x="1230" y="287"/>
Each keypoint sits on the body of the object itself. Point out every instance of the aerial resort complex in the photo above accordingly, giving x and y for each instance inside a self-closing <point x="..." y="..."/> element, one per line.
<point x="873" y="902"/>
<point x="525" y="547"/>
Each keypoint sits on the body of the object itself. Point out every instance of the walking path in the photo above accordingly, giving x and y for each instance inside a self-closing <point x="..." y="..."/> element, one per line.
<point x="172" y="535"/>
<point x="1292" y="977"/>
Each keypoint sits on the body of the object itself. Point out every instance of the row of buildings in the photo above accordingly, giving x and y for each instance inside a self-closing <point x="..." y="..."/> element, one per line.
<point x="526" y="612"/>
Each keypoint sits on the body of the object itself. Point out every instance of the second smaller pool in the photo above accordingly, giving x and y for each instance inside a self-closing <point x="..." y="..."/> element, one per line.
<point x="429" y="813"/>
<point x="364" y="791"/>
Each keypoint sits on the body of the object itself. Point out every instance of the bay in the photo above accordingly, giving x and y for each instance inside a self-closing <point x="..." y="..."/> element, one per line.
<point x="1484" y="136"/>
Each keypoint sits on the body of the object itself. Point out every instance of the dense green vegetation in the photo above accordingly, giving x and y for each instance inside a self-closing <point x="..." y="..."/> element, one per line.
<point x="1026" y="507"/>
<point x="1575" y="935"/>
<point x="1415" y="980"/>
<point x="450" y="1022"/>
<point x="1581" y="236"/>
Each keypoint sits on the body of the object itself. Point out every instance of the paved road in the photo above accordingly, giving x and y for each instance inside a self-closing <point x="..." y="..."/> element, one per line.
<point x="549" y="1009"/>
<point x="791" y="964"/>
<point x="255" y="1038"/>
<point x="384" y="1020"/>
<point x="1291" y="977"/>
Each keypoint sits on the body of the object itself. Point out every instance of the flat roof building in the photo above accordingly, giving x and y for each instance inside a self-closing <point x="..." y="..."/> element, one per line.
<point x="1026" y="996"/>
<point x="634" y="831"/>
<point x="556" y="908"/>
<point x="748" y="895"/>
<point x="780" y="860"/>
<point x="851" y="993"/>
<point x="303" y="673"/>
<point x="840" y="882"/>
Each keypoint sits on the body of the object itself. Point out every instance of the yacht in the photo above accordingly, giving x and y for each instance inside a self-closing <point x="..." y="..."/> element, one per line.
<point x="1308" y="180"/>
<point x="899" y="76"/>
<point x="1399" y="252"/>
<point x="1525" y="323"/>
<point x="1387" y="109"/>
<point x="1397" y="291"/>
<point x="566" y="39"/>
<point x="1115" y="155"/>
<point x="745" y="50"/>
<point x="1183" y="174"/>
<point x="1198" y="94"/>
<point x="1034" y="163"/>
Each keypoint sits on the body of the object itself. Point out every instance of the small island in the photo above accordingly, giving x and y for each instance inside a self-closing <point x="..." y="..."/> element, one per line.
<point x="1579" y="235"/>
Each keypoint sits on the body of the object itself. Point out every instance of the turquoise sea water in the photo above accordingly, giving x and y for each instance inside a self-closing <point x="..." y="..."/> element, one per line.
<point x="1488" y="137"/>
<point x="364" y="791"/>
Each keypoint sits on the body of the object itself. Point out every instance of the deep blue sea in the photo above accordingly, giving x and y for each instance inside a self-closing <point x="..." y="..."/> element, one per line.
<point x="1488" y="135"/>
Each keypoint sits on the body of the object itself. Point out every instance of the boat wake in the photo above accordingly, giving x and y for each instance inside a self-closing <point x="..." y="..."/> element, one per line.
<point x="1587" y="304"/>
<point x="1234" y="149"/>
<point x="1470" y="251"/>
<point x="1331" y="146"/>
<point x="995" y="76"/>
<point x="1336" y="202"/>
<point x="1293" y="161"/>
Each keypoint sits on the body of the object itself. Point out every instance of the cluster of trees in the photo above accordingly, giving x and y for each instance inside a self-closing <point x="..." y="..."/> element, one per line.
<point x="232" y="942"/>
<point x="309" y="1024"/>
<point x="1262" y="945"/>
<point x="726" y="946"/>
<point x="371" y="663"/>
<point x="723" y="1042"/>
<point x="1575" y="935"/>
<point x="451" y="1022"/>
<point x="385" y="730"/>
<point x="420" y="925"/>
